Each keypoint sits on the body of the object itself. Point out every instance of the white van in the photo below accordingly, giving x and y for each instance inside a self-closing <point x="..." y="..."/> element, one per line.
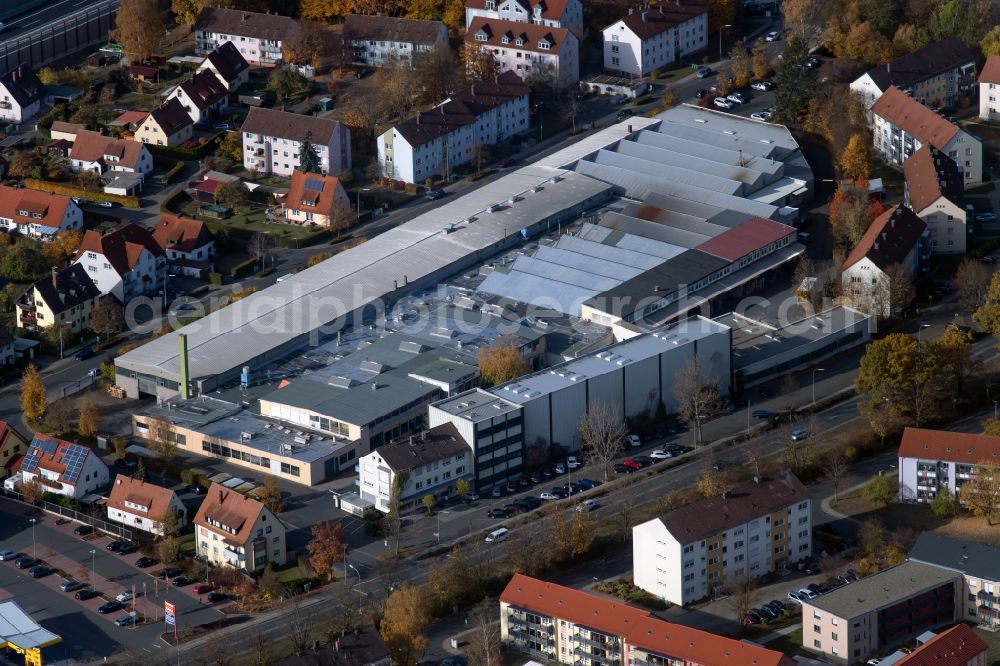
<point x="496" y="536"/>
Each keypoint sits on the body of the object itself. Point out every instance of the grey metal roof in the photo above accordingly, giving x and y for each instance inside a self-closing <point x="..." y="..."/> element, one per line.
<point x="424" y="248"/>
<point x="639" y="244"/>
<point x="880" y="590"/>
<point x="750" y="177"/>
<point x="970" y="558"/>
<point x="660" y="232"/>
<point x="565" y="158"/>
<point x="690" y="176"/>
<point x="671" y="190"/>
<point x="17" y="628"/>
<point x="729" y="130"/>
<point x="622" y="248"/>
<point x="540" y="291"/>
<point x="719" y="154"/>
<point x="476" y="405"/>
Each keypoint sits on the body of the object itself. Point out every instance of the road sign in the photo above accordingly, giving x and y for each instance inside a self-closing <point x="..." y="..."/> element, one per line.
<point x="169" y="613"/>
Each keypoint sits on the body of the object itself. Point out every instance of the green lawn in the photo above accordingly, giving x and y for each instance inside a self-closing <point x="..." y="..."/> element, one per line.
<point x="136" y="100"/>
<point x="789" y="644"/>
<point x="249" y="216"/>
<point x="291" y="575"/>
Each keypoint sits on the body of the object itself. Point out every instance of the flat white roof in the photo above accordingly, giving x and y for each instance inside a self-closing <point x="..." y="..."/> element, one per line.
<point x="17" y="628"/>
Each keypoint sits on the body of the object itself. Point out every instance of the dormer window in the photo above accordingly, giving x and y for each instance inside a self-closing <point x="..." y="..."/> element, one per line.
<point x="505" y="40"/>
<point x="538" y="12"/>
<point x="111" y="158"/>
<point x="543" y="45"/>
<point x="491" y="5"/>
<point x="519" y="42"/>
<point x="480" y="36"/>
<point x="37" y="216"/>
<point x="24" y="213"/>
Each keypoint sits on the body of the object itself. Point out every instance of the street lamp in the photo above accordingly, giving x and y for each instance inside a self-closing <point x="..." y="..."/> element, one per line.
<point x="721" y="28"/>
<point x="363" y="189"/>
<point x="34" y="555"/>
<point x="920" y="330"/>
<point x="814" y="382"/>
<point x="352" y="567"/>
<point x="748" y="415"/>
<point x="93" y="574"/>
<point x="994" y="410"/>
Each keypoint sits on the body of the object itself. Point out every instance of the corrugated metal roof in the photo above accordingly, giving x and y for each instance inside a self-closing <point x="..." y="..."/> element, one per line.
<point x="675" y="173"/>
<point x="539" y="291"/>
<point x="563" y="257"/>
<point x="750" y="177"/>
<point x="661" y="232"/>
<point x="715" y="153"/>
<point x="752" y="235"/>
<point x="563" y="159"/>
<point x="638" y="244"/>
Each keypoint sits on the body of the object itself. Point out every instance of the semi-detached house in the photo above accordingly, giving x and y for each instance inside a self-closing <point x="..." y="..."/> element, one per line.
<point x="93" y="151"/>
<point x="272" y="140"/>
<point x="203" y="96"/>
<point x="529" y="50"/>
<point x="759" y="527"/>
<point x="228" y="65"/>
<point x="434" y="142"/>
<point x="144" y="506"/>
<point x="37" y="214"/>
<point x="167" y="125"/>
<point x="655" y="36"/>
<point x="66" y="298"/>
<point x="935" y="191"/>
<point x="259" y="37"/>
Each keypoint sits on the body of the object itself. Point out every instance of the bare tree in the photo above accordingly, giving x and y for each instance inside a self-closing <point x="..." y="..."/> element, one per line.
<point x="697" y="395"/>
<point x="740" y="591"/>
<point x="625" y="514"/>
<point x="259" y="246"/>
<point x="393" y="518"/>
<point x="603" y="431"/>
<point x="834" y="466"/>
<point x="258" y="646"/>
<point x="299" y="627"/>
<point x="485" y="646"/>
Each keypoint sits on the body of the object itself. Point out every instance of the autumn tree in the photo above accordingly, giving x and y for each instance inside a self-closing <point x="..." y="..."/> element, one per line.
<point x="168" y="550"/>
<point x="851" y="213"/>
<point x="804" y="18"/>
<point x="759" y="60"/>
<point x="944" y="504"/>
<point x="880" y="490"/>
<point x="485" y="644"/>
<point x="327" y="547"/>
<point x="138" y="28"/>
<point x="230" y="147"/>
<point x="987" y="315"/>
<point x="856" y="160"/>
<point x="981" y="493"/>
<point x="901" y="379"/>
<point x="119" y="444"/>
<point x="32" y="491"/>
<point x="866" y="45"/>
<point x="167" y="522"/>
<point x="462" y="487"/>
<point x="871" y="538"/>
<point x="186" y="11"/>
<point x="972" y="282"/>
<point x="969" y="20"/>
<point x="34" y="402"/>
<point x="107" y="317"/>
<point x="720" y="13"/>
<point x="893" y="292"/>
<point x="910" y="38"/>
<point x="740" y="65"/>
<point x="435" y="70"/>
<point x="322" y="10"/>
<point x="501" y="362"/>
<point x="671" y="97"/>
<point x="311" y="44"/>
<point x="287" y="85"/>
<point x="89" y="419"/>
<point x="62" y="248"/>
<point x="697" y="394"/>
<point x="161" y="439"/>
<point x="231" y="193"/>
<point x="602" y="432"/>
<point x="990" y="43"/>
<point x="740" y="592"/>
<point x="89" y="181"/>
<point x="270" y="493"/>
<point x="479" y="64"/>
<point x="951" y="354"/>
<point x="403" y="625"/>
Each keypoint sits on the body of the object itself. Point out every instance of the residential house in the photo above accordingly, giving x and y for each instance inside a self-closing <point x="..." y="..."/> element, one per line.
<point x="13" y="446"/>
<point x="851" y="622"/>
<point x="314" y="199"/>
<point x="757" y="528"/>
<point x="125" y="262"/>
<point x="37" y="214"/>
<point x="93" y="151"/>
<point x="238" y="531"/>
<point x="66" y="298"/>
<point x="144" y="506"/>
<point x="551" y="623"/>
<point x="989" y="89"/>
<point x="936" y="75"/>
<point x="377" y="40"/>
<point x="128" y="121"/>
<point x="21" y="95"/>
<point x="228" y="65"/>
<point x="529" y="50"/>
<point x="8" y="355"/>
<point x="272" y="139"/>
<point x="958" y="646"/>
<point x="62" y="467"/>
<point x="931" y="461"/>
<point x="203" y="96"/>
<point x="166" y="125"/>
<point x="655" y="36"/>
<point x="978" y="563"/>
<point x="902" y="125"/>
<point x="65" y="131"/>
<point x="935" y="191"/>
<point x="432" y="462"/>
<point x="434" y="142"/>
<point x="552" y="13"/>
<point x="144" y="73"/>
<point x="189" y="245"/>
<point x="896" y="237"/>
<point x="259" y="37"/>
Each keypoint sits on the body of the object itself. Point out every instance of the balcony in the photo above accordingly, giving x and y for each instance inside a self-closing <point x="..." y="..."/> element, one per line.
<point x="606" y="658"/>
<point x="599" y="642"/>
<point x="987" y="598"/>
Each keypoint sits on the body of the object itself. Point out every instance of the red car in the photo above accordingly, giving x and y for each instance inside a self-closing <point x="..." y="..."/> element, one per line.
<point x="201" y="588"/>
<point x="989" y="261"/>
<point x="632" y="464"/>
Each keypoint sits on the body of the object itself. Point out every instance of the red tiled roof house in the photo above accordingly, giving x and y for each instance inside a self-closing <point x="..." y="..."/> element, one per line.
<point x="144" y="506"/>
<point x="238" y="531"/>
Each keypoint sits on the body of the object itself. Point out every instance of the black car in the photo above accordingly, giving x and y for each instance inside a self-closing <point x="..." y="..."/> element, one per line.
<point x="753" y="616"/>
<point x="764" y="414"/>
<point x="536" y="477"/>
<point x="25" y="562"/>
<point x="777" y="606"/>
<point x="817" y="588"/>
<point x="181" y="581"/>
<point x="513" y="509"/>
<point x="622" y="469"/>
<point x="645" y="460"/>
<point x="547" y="473"/>
<point x="701" y="93"/>
<point x="83" y="530"/>
<point x="115" y="545"/>
<point x="83" y="595"/>
<point x="39" y="571"/>
<point x="126" y="549"/>
<point x="560" y="492"/>
<point x="528" y="503"/>
<point x="145" y="562"/>
<point x="110" y="607"/>
<point x="768" y="613"/>
<point x="216" y="596"/>
<point x="167" y="572"/>
<point x="434" y="195"/>
<point x="497" y="513"/>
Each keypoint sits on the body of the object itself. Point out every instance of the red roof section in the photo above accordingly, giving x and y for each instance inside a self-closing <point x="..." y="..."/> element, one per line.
<point x="181" y="233"/>
<point x="959" y="447"/>
<point x="957" y="646"/>
<point x="52" y="207"/>
<point x="889" y="239"/>
<point x="637" y="627"/>
<point x="14" y="463"/>
<point x="914" y="118"/>
<point x="122" y="247"/>
<point x="991" y="70"/>
<point x="740" y="241"/>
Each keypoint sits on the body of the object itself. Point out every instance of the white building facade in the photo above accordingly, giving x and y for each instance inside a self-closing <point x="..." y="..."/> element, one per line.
<point x="530" y="51"/>
<point x="654" y="37"/>
<point x="568" y="14"/>
<point x="21" y="95"/>
<point x="259" y="37"/>
<point x="989" y="89"/>
<point x="272" y="140"/>
<point x="63" y="468"/>
<point x="375" y="41"/>
<point x="933" y="461"/>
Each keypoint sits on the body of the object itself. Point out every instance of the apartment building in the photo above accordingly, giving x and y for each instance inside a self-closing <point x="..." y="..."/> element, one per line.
<point x="935" y="191"/>
<point x="897" y="237"/>
<point x="21" y="95"/>
<point x="901" y="126"/>
<point x="979" y="565"/>
<point x="167" y="125"/>
<point x="551" y="623"/>
<point x="434" y="142"/>
<point x="234" y="530"/>
<point x="125" y="262"/>
<point x="144" y="506"/>
<point x="655" y="36"/>
<point x="228" y="65"/>
<point x="375" y="41"/>
<point x="957" y="646"/>
<point x="272" y="140"/>
<point x="850" y="623"/>
<point x="66" y="298"/>
<point x="432" y="462"/>
<point x="552" y="13"/>
<point x="37" y="214"/>
<point x="259" y="37"/>
<point x="756" y="528"/>
<point x="931" y="461"/>
<point x="936" y="75"/>
<point x="316" y="199"/>
<point x="530" y="50"/>
<point x="62" y="467"/>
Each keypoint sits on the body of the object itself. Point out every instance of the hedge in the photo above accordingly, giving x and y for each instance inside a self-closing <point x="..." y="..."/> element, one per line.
<point x="71" y="191"/>
<point x="185" y="153"/>
<point x="243" y="268"/>
<point x="167" y="200"/>
<point x="172" y="172"/>
<point x="215" y="278"/>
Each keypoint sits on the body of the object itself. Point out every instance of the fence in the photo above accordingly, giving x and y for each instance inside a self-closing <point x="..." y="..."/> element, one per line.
<point x="114" y="529"/>
<point x="76" y="387"/>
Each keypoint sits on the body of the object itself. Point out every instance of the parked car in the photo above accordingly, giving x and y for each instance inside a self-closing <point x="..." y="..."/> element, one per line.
<point x="645" y="460"/>
<point x="510" y="487"/>
<point x="434" y="195"/>
<point x="764" y="414"/>
<point x="182" y="581"/>
<point x="738" y="97"/>
<point x="86" y="594"/>
<point x="39" y="571"/>
<point x="723" y="103"/>
<point x="768" y="613"/>
<point x="986" y="217"/>
<point x="623" y="114"/>
<point x="752" y="617"/>
<point x="84" y="354"/>
<point x="705" y="72"/>
<point x="799" y="435"/>
<point x="763" y="116"/>
<point x="108" y="204"/>
<point x="848" y="576"/>
<point x="124" y="597"/>
<point x="536" y="477"/>
<point x="70" y="585"/>
<point x="470" y="497"/>
<point x="812" y="63"/>
<point x="560" y="491"/>
<point x="109" y="607"/>
<point x="661" y="454"/>
<point x="807" y="594"/>
<point x="114" y="545"/>
<point x="633" y="441"/>
<point x="77" y="200"/>
<point x="194" y="489"/>
<point x="588" y="505"/>
<point x="145" y="562"/>
<point x="797" y="597"/>
<point x="989" y="261"/>
<point x="83" y="530"/>
<point x="631" y="463"/>
<point x="772" y="36"/>
<point x="498" y="513"/>
<point x="573" y="463"/>
<point x="225" y="127"/>
<point x="817" y="589"/>
<point x="763" y="86"/>
<point x="6" y="555"/>
<point x="588" y="484"/>
<point x="167" y="572"/>
<point x="619" y="468"/>
<point x="701" y="93"/>
<point x="549" y="496"/>
<point x="215" y="596"/>
<point x="560" y="468"/>
<point x="126" y="549"/>
<point x="25" y="562"/>
<point x="496" y="492"/>
<point x="126" y="620"/>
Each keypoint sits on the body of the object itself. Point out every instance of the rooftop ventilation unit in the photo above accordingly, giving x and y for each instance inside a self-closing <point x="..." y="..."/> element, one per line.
<point x="492" y="208"/>
<point x="341" y="382"/>
<point x="556" y="179"/>
<point x="373" y="366"/>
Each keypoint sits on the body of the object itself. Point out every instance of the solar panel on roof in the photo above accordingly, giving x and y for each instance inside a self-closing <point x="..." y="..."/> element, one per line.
<point x="74" y="458"/>
<point x="48" y="445"/>
<point x="314" y="184"/>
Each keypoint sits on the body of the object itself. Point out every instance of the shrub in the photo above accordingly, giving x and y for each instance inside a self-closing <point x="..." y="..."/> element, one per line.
<point x="881" y="490"/>
<point x="243" y="268"/>
<point x="215" y="278"/>
<point x="172" y="172"/>
<point x="73" y="191"/>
